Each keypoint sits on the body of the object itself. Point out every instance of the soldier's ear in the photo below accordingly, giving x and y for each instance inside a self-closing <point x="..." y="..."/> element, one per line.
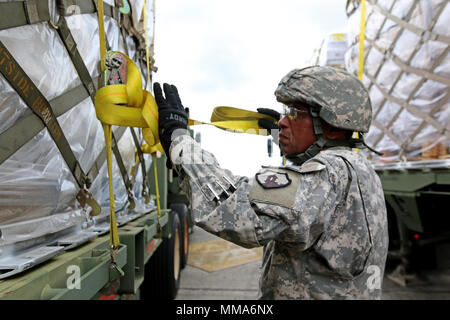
<point x="334" y="133"/>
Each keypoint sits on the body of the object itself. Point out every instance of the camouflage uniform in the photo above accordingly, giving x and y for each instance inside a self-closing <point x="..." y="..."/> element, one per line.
<point x="322" y="224"/>
<point x="323" y="221"/>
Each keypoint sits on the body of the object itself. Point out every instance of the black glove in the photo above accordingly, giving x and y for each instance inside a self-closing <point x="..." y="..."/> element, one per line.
<point x="172" y="114"/>
<point x="272" y="127"/>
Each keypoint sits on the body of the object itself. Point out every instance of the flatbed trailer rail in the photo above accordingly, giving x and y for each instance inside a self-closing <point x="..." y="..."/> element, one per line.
<point x="82" y="273"/>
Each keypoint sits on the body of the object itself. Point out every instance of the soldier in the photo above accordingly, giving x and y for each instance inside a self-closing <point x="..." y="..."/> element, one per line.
<point x="321" y="219"/>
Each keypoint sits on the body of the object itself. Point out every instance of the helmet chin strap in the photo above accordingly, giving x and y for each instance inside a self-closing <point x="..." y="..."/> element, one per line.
<point x="321" y="142"/>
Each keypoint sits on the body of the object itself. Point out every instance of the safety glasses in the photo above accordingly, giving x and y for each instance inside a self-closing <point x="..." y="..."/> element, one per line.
<point x="292" y="112"/>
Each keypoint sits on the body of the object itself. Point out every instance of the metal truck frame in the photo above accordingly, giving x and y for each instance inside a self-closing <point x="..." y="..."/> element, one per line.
<point x="417" y="194"/>
<point x="413" y="135"/>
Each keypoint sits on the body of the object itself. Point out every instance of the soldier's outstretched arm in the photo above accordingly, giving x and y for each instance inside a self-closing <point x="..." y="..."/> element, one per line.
<point x="221" y="205"/>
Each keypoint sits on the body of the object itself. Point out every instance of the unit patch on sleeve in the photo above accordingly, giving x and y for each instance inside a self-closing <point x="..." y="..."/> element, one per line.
<point x="270" y="179"/>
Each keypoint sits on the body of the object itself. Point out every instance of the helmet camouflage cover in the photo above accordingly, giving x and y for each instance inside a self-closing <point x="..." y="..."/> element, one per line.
<point x="343" y="100"/>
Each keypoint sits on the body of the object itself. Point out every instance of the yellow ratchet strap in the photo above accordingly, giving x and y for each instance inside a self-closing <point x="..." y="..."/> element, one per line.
<point x="362" y="35"/>
<point x="236" y="120"/>
<point x="129" y="105"/>
<point x="362" y="32"/>
<point x="114" y="234"/>
<point x="124" y="105"/>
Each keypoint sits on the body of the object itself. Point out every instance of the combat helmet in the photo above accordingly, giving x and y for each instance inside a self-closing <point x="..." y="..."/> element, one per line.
<point x="333" y="95"/>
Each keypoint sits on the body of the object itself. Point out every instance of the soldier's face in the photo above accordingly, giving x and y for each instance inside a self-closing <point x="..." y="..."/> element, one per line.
<point x="296" y="132"/>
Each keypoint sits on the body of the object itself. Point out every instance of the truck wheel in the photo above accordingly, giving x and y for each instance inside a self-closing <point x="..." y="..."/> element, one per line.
<point x="394" y="256"/>
<point x="162" y="272"/>
<point x="182" y="211"/>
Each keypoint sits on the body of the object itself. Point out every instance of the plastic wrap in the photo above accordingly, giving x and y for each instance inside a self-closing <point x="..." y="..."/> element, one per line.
<point x="333" y="50"/>
<point x="411" y="108"/>
<point x="137" y="7"/>
<point x="138" y="21"/>
<point x="46" y="66"/>
<point x="37" y="189"/>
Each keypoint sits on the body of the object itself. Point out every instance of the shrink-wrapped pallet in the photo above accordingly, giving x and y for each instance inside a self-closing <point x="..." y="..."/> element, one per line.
<point x="37" y="189"/>
<point x="332" y="52"/>
<point x="407" y="73"/>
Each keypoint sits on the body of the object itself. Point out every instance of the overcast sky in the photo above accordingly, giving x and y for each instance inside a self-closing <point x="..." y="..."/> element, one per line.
<point x="234" y="53"/>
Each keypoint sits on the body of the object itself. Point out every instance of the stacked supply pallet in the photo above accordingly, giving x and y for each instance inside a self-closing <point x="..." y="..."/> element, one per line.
<point x="51" y="49"/>
<point x="407" y="73"/>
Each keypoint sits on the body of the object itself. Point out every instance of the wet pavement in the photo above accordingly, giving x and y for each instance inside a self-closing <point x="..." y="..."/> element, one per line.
<point x="240" y="282"/>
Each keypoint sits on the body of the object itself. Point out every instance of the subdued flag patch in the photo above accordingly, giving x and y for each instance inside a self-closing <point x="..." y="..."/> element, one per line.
<point x="220" y="254"/>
